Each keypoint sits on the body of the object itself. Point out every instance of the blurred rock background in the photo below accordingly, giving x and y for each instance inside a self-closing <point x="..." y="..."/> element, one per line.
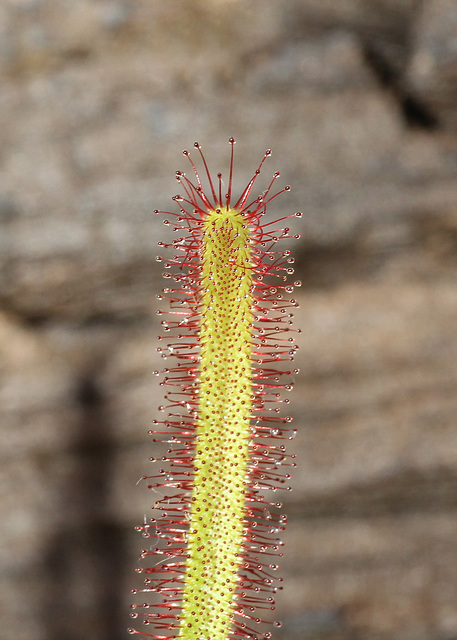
<point x="358" y="99"/>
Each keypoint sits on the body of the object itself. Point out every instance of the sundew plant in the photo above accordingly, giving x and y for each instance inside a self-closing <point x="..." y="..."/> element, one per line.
<point x="213" y="544"/>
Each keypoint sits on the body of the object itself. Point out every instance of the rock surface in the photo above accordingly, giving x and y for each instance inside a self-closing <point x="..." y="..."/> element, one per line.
<point x="358" y="102"/>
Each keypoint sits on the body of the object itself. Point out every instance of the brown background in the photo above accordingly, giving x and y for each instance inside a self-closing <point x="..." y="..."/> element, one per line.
<point x="358" y="100"/>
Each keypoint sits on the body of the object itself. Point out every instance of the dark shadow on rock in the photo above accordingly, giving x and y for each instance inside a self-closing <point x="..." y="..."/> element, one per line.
<point x="329" y="267"/>
<point x="415" y="113"/>
<point x="84" y="564"/>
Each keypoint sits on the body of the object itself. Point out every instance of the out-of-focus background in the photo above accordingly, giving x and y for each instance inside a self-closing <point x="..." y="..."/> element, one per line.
<point x="358" y="99"/>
